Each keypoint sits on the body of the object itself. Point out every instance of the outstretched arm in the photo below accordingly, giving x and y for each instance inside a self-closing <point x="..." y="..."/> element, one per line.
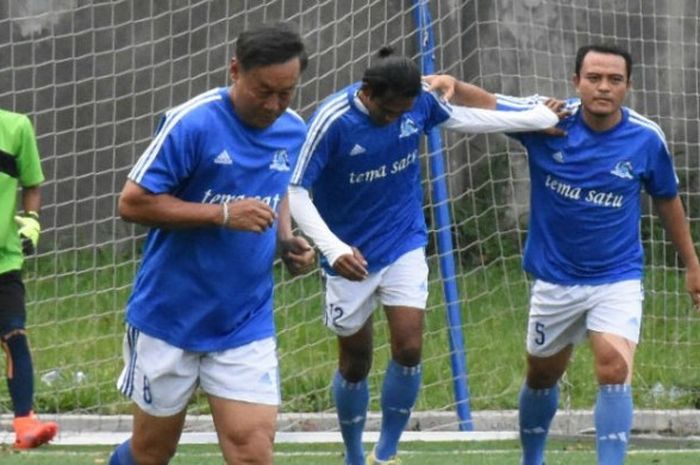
<point x="473" y="120"/>
<point x="673" y="218"/>
<point x="473" y="109"/>
<point x="461" y="93"/>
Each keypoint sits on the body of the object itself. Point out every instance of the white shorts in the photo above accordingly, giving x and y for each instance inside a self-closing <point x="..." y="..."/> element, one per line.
<point x="562" y="315"/>
<point x="349" y="304"/>
<point x="160" y="378"/>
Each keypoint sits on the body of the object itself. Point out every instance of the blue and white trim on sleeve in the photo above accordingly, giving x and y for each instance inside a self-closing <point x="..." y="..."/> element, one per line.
<point x="172" y="117"/>
<point x="334" y="109"/>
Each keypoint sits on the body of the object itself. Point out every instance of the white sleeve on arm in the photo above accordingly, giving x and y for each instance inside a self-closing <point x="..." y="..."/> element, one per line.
<point x="467" y="119"/>
<point x="309" y="220"/>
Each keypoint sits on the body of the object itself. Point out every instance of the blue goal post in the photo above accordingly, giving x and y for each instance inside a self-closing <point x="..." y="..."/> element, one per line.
<point x="443" y="229"/>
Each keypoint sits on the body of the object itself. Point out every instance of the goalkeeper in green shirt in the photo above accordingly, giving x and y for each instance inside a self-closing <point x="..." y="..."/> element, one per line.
<point x="19" y="233"/>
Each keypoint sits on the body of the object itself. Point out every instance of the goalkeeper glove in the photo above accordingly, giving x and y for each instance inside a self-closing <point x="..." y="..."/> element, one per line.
<point x="29" y="229"/>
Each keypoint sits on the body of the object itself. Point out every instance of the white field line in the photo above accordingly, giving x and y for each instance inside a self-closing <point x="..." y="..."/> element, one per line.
<point x="103" y="438"/>
<point x="48" y="452"/>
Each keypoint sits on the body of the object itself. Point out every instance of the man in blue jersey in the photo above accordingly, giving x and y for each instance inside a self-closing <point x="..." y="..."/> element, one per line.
<point x="584" y="250"/>
<point x="361" y="161"/>
<point x="212" y="186"/>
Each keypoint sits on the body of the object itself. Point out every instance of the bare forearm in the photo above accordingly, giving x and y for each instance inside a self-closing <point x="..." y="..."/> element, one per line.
<point x="673" y="218"/>
<point x="284" y="221"/>
<point x="164" y="210"/>
<point x="31" y="199"/>
<point x="469" y="95"/>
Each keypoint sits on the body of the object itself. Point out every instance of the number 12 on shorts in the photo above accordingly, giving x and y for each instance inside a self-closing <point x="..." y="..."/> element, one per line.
<point x="333" y="314"/>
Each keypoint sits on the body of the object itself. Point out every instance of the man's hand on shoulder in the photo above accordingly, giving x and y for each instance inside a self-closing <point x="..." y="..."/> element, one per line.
<point x="442" y="83"/>
<point x="29" y="229"/>
<point x="558" y="107"/>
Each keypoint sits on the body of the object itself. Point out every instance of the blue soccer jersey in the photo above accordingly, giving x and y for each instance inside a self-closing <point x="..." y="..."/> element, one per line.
<point x="210" y="289"/>
<point x="585" y="205"/>
<point x="365" y="178"/>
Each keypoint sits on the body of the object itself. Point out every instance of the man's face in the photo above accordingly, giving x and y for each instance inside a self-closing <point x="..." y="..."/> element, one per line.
<point x="261" y="94"/>
<point x="386" y="110"/>
<point x="602" y="83"/>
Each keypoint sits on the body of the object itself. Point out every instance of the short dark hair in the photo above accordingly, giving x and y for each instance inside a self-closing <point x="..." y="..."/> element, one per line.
<point x="603" y="48"/>
<point x="392" y="76"/>
<point x="270" y="44"/>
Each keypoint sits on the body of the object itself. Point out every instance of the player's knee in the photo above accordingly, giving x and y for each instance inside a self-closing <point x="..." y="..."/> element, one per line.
<point x="612" y="369"/>
<point x="540" y="380"/>
<point x="354" y="365"/>
<point x="150" y="453"/>
<point x="355" y="370"/>
<point x="406" y="348"/>
<point x="542" y="376"/>
<point x="408" y="356"/>
<point x="545" y="372"/>
<point x="253" y="448"/>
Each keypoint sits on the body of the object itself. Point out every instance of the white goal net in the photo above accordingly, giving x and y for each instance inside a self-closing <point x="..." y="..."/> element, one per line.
<point x="95" y="76"/>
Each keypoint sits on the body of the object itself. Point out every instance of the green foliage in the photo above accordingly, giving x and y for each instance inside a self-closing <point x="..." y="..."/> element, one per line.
<point x="658" y="247"/>
<point x="484" y="228"/>
<point x="76" y="302"/>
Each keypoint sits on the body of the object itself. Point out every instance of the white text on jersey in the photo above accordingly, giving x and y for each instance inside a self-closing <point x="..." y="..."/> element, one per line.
<point x="210" y="197"/>
<point x="603" y="199"/>
<point x="381" y="172"/>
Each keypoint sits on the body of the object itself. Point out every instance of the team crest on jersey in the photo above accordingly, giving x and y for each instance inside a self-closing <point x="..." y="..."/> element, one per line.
<point x="623" y="169"/>
<point x="408" y="127"/>
<point x="558" y="157"/>
<point x="280" y="161"/>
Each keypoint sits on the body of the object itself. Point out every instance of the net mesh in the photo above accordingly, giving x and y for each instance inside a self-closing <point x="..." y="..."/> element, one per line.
<point x="95" y="76"/>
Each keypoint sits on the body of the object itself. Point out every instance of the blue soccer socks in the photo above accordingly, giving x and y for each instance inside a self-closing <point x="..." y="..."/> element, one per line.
<point x="20" y="375"/>
<point x="122" y="454"/>
<point x="351" y="402"/>
<point x="399" y="394"/>
<point x="613" y="422"/>
<point x="537" y="408"/>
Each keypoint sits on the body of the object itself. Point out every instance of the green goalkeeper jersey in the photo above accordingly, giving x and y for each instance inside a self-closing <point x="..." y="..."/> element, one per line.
<point x="19" y="166"/>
